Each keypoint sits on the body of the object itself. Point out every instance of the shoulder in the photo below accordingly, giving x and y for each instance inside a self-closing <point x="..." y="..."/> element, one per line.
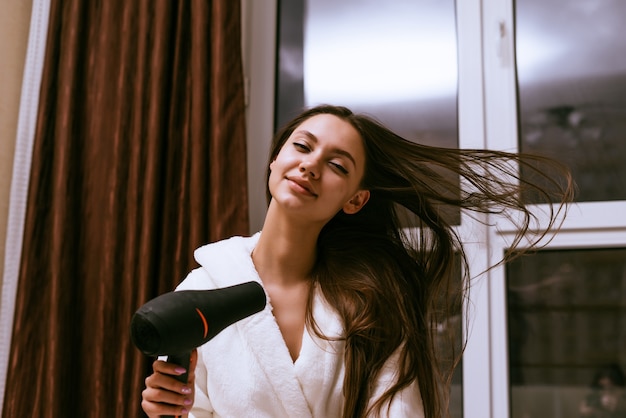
<point x="222" y="263"/>
<point x="197" y="279"/>
<point x="326" y="316"/>
<point x="237" y="246"/>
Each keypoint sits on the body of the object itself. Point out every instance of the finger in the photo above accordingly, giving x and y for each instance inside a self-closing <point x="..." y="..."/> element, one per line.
<point x="155" y="409"/>
<point x="157" y="401"/>
<point x="168" y="368"/>
<point x="161" y="396"/>
<point x="169" y="383"/>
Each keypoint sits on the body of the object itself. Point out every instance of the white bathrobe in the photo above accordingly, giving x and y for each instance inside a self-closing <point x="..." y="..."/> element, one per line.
<point x="246" y="371"/>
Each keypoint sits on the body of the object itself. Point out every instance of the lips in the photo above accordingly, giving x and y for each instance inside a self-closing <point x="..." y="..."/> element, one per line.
<point x="302" y="185"/>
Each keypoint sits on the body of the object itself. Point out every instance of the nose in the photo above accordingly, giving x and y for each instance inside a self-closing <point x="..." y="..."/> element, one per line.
<point x="309" y="166"/>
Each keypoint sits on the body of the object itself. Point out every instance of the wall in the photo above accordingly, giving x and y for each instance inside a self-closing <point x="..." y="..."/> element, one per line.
<point x="14" y="26"/>
<point x="258" y="54"/>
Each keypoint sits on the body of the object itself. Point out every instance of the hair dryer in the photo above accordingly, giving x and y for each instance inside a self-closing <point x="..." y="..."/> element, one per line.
<point x="175" y="323"/>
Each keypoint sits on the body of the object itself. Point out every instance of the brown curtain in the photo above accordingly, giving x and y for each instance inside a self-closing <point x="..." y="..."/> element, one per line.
<point x="139" y="158"/>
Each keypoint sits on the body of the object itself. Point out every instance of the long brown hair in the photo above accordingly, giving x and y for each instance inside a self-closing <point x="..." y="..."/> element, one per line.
<point x="388" y="285"/>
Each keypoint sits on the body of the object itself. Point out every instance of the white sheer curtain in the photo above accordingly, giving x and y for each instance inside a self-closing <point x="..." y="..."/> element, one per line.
<point x="29" y="103"/>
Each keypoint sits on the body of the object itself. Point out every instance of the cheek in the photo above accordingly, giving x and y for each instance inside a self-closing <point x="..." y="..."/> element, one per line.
<point x="282" y="160"/>
<point x="272" y="177"/>
<point x="339" y="192"/>
<point x="276" y="174"/>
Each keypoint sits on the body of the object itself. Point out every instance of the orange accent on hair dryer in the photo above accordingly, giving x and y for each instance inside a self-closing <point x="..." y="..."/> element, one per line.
<point x="206" y="324"/>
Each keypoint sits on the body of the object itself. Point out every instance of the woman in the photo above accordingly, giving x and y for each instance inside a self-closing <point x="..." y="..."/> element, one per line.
<point x="349" y="327"/>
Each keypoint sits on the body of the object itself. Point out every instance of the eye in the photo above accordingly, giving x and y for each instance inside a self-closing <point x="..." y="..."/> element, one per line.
<point x="301" y="147"/>
<point x="339" y="167"/>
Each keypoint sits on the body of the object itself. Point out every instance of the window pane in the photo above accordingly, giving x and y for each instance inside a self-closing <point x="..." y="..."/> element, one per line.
<point x="396" y="60"/>
<point x="567" y="324"/>
<point x="571" y="67"/>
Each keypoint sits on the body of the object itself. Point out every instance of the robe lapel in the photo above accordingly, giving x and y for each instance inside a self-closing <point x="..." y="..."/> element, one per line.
<point x="266" y="342"/>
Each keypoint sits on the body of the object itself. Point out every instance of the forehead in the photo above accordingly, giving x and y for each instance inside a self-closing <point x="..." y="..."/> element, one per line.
<point x="332" y="130"/>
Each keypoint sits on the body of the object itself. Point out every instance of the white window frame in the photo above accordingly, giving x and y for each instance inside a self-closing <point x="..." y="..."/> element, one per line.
<point x="486" y="388"/>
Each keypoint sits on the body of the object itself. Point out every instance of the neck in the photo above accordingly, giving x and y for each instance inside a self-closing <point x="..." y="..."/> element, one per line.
<point x="286" y="251"/>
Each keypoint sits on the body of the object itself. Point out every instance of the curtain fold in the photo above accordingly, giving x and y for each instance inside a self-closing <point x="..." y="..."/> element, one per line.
<point x="139" y="158"/>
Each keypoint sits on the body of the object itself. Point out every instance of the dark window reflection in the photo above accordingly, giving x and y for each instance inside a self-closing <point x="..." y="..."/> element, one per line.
<point x="290" y="61"/>
<point x="567" y="334"/>
<point x="571" y="67"/>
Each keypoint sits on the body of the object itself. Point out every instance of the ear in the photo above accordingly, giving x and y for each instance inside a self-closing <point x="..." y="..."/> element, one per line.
<point x="357" y="202"/>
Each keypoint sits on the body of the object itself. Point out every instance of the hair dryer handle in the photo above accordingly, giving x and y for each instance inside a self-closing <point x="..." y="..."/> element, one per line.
<point x="182" y="360"/>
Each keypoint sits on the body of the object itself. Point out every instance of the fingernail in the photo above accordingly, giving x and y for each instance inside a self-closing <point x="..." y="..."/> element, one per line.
<point x="180" y="370"/>
<point x="186" y="390"/>
<point x="187" y="402"/>
<point x="184" y="411"/>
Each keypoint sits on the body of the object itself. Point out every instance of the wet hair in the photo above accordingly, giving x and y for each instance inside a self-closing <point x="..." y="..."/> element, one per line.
<point x="394" y="287"/>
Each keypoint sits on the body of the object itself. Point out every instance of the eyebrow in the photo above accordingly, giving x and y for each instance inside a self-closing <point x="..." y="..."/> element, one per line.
<point x="335" y="150"/>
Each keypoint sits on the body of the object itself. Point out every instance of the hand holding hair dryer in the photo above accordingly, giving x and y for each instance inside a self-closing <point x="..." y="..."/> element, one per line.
<point x="175" y="323"/>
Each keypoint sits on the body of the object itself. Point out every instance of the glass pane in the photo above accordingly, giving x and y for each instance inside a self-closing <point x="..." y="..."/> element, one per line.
<point x="567" y="334"/>
<point x="571" y="67"/>
<point x="395" y="60"/>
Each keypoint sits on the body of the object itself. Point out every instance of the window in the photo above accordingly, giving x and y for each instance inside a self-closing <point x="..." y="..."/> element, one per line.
<point x="567" y="326"/>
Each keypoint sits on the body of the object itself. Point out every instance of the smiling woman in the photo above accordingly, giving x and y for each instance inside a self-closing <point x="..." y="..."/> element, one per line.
<point x="324" y="159"/>
<point x="354" y="301"/>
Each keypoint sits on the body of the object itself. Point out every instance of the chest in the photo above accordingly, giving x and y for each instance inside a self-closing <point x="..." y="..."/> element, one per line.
<point x="289" y="310"/>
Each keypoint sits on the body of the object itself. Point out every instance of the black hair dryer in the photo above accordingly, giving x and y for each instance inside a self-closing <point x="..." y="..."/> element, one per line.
<point x="175" y="323"/>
